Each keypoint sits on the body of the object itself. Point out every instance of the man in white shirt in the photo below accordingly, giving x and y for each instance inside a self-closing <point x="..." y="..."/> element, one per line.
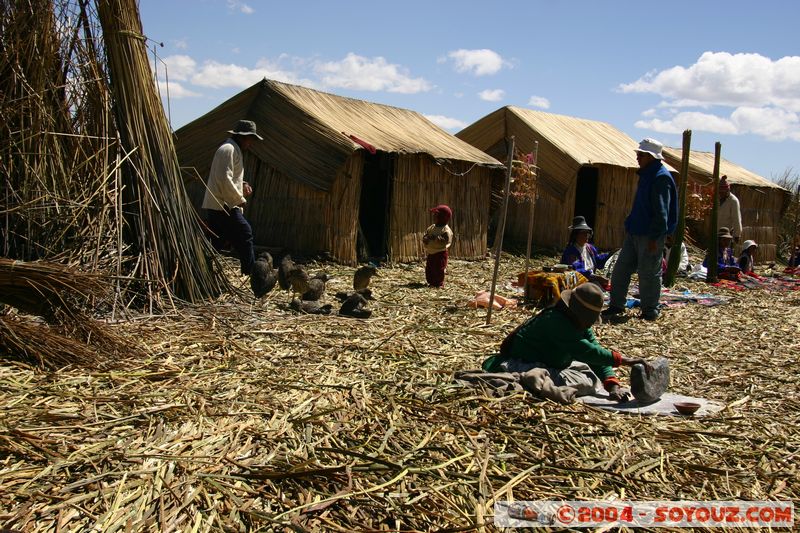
<point x="729" y="214"/>
<point x="226" y="194"/>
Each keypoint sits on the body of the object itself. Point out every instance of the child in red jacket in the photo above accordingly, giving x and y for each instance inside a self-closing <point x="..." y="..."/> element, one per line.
<point x="437" y="239"/>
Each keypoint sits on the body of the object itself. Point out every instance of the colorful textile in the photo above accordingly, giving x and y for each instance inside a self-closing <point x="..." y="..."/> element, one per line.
<point x="674" y="298"/>
<point x="545" y="287"/>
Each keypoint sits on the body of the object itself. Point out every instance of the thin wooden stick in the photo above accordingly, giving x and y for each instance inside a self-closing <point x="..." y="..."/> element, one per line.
<point x="677" y="241"/>
<point x="532" y="199"/>
<point x="713" y="244"/>
<point x="501" y="230"/>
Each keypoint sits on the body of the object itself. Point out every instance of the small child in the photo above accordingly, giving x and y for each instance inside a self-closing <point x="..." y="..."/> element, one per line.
<point x="437" y="239"/>
<point x="747" y="259"/>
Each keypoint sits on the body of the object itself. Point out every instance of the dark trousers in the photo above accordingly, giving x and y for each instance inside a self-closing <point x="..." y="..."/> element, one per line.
<point x="434" y="269"/>
<point x="231" y="226"/>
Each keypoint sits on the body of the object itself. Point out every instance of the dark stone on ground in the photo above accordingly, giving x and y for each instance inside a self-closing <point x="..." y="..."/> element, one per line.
<point x="648" y="389"/>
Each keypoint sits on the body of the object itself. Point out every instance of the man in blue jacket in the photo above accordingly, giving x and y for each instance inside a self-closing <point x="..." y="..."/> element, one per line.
<point x="653" y="216"/>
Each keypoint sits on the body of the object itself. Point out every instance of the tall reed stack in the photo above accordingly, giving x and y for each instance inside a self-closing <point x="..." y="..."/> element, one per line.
<point x="163" y="225"/>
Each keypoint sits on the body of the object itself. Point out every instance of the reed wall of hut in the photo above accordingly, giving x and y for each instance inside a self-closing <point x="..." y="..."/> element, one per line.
<point x="762" y="210"/>
<point x="616" y="187"/>
<point x="287" y="214"/>
<point x="569" y="151"/>
<point x="762" y="202"/>
<point x="420" y="184"/>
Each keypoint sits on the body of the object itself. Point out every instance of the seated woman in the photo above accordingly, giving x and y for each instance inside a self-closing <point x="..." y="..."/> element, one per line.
<point x="581" y="255"/>
<point x="794" y="260"/>
<point x="747" y="259"/>
<point x="559" y="339"/>
<point x="726" y="262"/>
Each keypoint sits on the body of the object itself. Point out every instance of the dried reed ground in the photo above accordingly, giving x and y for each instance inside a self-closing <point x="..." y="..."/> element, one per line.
<point x="256" y="419"/>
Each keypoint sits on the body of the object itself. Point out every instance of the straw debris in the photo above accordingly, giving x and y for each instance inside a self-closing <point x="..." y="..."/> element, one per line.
<point x="251" y="417"/>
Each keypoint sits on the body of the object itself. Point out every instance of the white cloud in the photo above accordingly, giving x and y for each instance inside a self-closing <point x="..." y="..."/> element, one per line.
<point x="774" y="124"/>
<point x="365" y="74"/>
<point x="763" y="95"/>
<point x="446" y="123"/>
<point x="721" y="78"/>
<point x="492" y="95"/>
<point x="539" y="101"/>
<point x="236" y="5"/>
<point x="477" y="62"/>
<point x="216" y="75"/>
<point x="353" y="72"/>
<point x="180" y="67"/>
<point x="690" y="120"/>
<point x="176" y="91"/>
<point x="180" y="44"/>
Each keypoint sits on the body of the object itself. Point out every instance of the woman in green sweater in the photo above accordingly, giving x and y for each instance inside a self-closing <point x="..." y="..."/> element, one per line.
<point x="560" y="339"/>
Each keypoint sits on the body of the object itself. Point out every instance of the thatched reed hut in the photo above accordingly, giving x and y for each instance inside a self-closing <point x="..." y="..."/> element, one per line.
<point x="762" y="202"/>
<point x="345" y="177"/>
<point x="586" y="168"/>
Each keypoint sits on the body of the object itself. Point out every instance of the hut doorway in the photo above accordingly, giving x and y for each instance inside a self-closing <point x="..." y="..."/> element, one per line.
<point x="373" y="214"/>
<point x="586" y="195"/>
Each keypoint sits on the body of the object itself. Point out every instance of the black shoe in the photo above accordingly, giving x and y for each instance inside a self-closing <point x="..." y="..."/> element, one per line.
<point x="651" y="315"/>
<point x="612" y="310"/>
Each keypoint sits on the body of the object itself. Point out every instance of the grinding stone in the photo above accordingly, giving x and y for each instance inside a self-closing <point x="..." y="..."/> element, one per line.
<point x="648" y="389"/>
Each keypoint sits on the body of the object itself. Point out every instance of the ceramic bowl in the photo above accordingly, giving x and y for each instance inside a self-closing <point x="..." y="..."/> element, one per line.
<point x="687" y="408"/>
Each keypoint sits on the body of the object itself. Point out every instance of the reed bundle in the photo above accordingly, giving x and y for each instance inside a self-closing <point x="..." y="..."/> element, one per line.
<point x="161" y="221"/>
<point x="256" y="418"/>
<point x="55" y="137"/>
<point x="60" y="160"/>
<point x="47" y="289"/>
<point x="67" y="299"/>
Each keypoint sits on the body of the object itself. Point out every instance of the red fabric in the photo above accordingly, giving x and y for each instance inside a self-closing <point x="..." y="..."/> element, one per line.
<point x="608" y="382"/>
<point x="371" y="149"/>
<point x="442" y="214"/>
<point x="434" y="269"/>
<point x="617" y="358"/>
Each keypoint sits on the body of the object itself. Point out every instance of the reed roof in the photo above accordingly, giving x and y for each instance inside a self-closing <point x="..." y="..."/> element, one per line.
<point x="588" y="142"/>
<point x="701" y="168"/>
<point x="307" y="132"/>
<point x="565" y="143"/>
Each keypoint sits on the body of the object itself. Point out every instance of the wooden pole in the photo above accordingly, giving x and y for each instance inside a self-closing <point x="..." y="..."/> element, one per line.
<point x="712" y="274"/>
<point x="677" y="240"/>
<point x="533" y="194"/>
<point x="501" y="230"/>
<point x="795" y="239"/>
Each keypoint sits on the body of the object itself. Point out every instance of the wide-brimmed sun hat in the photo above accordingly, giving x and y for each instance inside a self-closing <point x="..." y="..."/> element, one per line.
<point x="245" y="127"/>
<point x="748" y="243"/>
<point x="579" y="223"/>
<point x="652" y="147"/>
<point x="724" y="233"/>
<point x="585" y="302"/>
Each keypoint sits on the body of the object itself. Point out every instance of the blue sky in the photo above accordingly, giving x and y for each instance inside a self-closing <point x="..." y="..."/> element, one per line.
<point x="729" y="70"/>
